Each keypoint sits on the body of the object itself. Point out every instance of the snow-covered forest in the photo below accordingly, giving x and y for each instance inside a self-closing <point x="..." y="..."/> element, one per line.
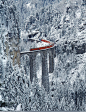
<point x="60" y="21"/>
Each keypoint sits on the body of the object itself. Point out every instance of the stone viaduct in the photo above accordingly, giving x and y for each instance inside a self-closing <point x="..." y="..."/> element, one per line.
<point x="44" y="53"/>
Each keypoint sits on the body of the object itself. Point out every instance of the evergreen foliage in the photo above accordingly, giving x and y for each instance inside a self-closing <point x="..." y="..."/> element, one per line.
<point x="63" y="22"/>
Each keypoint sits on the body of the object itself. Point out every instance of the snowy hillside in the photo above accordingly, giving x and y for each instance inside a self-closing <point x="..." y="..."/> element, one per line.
<point x="60" y="21"/>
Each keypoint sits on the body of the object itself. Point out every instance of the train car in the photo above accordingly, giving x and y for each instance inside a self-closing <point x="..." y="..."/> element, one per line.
<point x="44" y="47"/>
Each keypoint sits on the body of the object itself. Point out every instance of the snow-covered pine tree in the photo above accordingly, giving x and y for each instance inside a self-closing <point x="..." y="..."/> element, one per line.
<point x="10" y="22"/>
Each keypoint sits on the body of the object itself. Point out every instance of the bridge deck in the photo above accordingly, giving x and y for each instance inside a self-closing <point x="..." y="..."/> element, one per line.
<point x="50" y="45"/>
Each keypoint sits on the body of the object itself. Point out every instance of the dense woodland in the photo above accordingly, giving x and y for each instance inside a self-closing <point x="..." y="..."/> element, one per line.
<point x="60" y="21"/>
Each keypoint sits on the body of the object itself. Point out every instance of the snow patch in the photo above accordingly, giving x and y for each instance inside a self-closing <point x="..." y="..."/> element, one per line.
<point x="4" y="60"/>
<point x="18" y="108"/>
<point x="78" y="14"/>
<point x="0" y="98"/>
<point x="24" y="34"/>
<point x="28" y="5"/>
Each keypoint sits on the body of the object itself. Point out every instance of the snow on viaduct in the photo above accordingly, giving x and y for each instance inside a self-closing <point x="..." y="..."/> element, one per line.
<point x="45" y="51"/>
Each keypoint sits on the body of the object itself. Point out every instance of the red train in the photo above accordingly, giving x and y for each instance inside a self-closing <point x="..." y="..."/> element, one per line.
<point x="45" y="47"/>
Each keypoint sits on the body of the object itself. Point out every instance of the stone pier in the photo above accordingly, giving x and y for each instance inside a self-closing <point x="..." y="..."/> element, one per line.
<point x="32" y="66"/>
<point x="44" y="59"/>
<point x="45" y="77"/>
<point x="51" y="60"/>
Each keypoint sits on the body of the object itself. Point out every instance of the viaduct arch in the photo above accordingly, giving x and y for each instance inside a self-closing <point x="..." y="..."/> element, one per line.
<point x="50" y="49"/>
